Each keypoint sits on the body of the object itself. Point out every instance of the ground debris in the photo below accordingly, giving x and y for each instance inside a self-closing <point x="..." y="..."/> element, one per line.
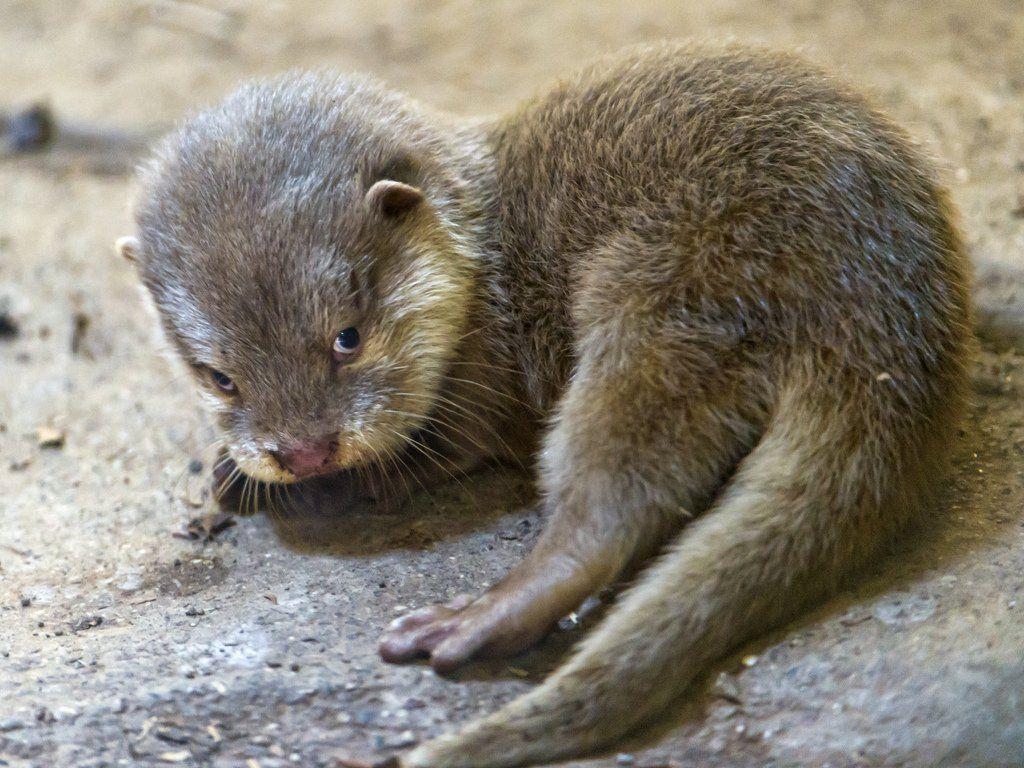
<point x="8" y="326"/>
<point x="519" y="531"/>
<point x="80" y="327"/>
<point x="171" y="734"/>
<point x="49" y="437"/>
<point x="173" y="740"/>
<point x="177" y="756"/>
<point x="86" y="622"/>
<point x="30" y="130"/>
<point x="205" y="528"/>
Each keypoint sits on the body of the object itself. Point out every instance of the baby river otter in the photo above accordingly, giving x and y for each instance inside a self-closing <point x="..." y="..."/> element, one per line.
<point x="717" y="295"/>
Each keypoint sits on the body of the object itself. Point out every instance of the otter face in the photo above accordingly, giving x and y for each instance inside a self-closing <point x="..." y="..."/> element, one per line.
<point x="317" y="303"/>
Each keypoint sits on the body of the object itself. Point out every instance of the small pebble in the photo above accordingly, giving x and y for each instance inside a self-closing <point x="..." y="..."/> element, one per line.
<point x="86" y="622"/>
<point x="49" y="437"/>
<point x="178" y="756"/>
<point x="8" y="327"/>
<point x="31" y="129"/>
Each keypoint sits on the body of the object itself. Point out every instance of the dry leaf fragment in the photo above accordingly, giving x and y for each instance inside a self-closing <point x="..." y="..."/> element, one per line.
<point x="205" y="527"/>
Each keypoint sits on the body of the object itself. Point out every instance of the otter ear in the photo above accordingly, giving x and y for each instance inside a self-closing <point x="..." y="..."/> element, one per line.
<point x="128" y="247"/>
<point x="393" y="198"/>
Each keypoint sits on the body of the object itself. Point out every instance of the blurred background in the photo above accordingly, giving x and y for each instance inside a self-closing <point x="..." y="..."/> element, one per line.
<point x="253" y="645"/>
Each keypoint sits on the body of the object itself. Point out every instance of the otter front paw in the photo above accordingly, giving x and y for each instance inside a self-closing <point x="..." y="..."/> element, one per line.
<point x="453" y="634"/>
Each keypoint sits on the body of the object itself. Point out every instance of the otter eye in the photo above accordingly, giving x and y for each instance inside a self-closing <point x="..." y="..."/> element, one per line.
<point x="224" y="383"/>
<point x="346" y="344"/>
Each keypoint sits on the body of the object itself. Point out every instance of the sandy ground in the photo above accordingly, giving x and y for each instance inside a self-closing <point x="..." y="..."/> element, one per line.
<point x="121" y="645"/>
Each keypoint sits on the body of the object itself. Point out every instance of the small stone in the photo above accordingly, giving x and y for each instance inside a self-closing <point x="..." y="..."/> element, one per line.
<point x="195" y="466"/>
<point x="49" y="437"/>
<point x="8" y="327"/>
<point x="171" y="734"/>
<point x="6" y="726"/>
<point x="623" y="759"/>
<point x="86" y="622"/>
<point x="178" y="756"/>
<point x="31" y="130"/>
<point x="401" y="741"/>
<point x="26" y="602"/>
<point x="749" y="661"/>
<point x="79" y="328"/>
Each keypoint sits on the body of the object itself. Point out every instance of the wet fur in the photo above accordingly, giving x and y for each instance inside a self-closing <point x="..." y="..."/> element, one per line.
<point x="726" y="285"/>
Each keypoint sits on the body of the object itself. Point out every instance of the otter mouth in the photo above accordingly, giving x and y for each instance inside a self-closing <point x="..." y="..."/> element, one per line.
<point x="311" y="460"/>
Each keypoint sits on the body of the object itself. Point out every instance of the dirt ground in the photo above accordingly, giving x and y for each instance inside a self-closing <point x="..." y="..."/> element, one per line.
<point x="122" y="645"/>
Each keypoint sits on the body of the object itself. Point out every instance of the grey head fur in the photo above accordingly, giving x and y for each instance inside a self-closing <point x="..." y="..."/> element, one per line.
<point x="298" y="207"/>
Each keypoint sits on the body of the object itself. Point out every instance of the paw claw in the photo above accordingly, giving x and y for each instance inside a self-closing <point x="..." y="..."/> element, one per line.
<point x="416" y="641"/>
<point x="453" y="653"/>
<point x="449" y="635"/>
<point x="411" y="620"/>
<point x="460" y="601"/>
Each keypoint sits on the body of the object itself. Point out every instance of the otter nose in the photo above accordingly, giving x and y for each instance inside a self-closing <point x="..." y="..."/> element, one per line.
<point x="308" y="457"/>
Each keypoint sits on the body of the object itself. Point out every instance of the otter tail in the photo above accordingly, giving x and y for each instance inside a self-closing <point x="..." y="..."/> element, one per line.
<point x="839" y="469"/>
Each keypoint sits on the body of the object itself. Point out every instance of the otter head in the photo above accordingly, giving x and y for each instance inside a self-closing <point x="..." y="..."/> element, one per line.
<point x="299" y="245"/>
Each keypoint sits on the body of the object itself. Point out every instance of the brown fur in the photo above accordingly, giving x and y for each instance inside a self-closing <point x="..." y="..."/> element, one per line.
<point x="729" y="286"/>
